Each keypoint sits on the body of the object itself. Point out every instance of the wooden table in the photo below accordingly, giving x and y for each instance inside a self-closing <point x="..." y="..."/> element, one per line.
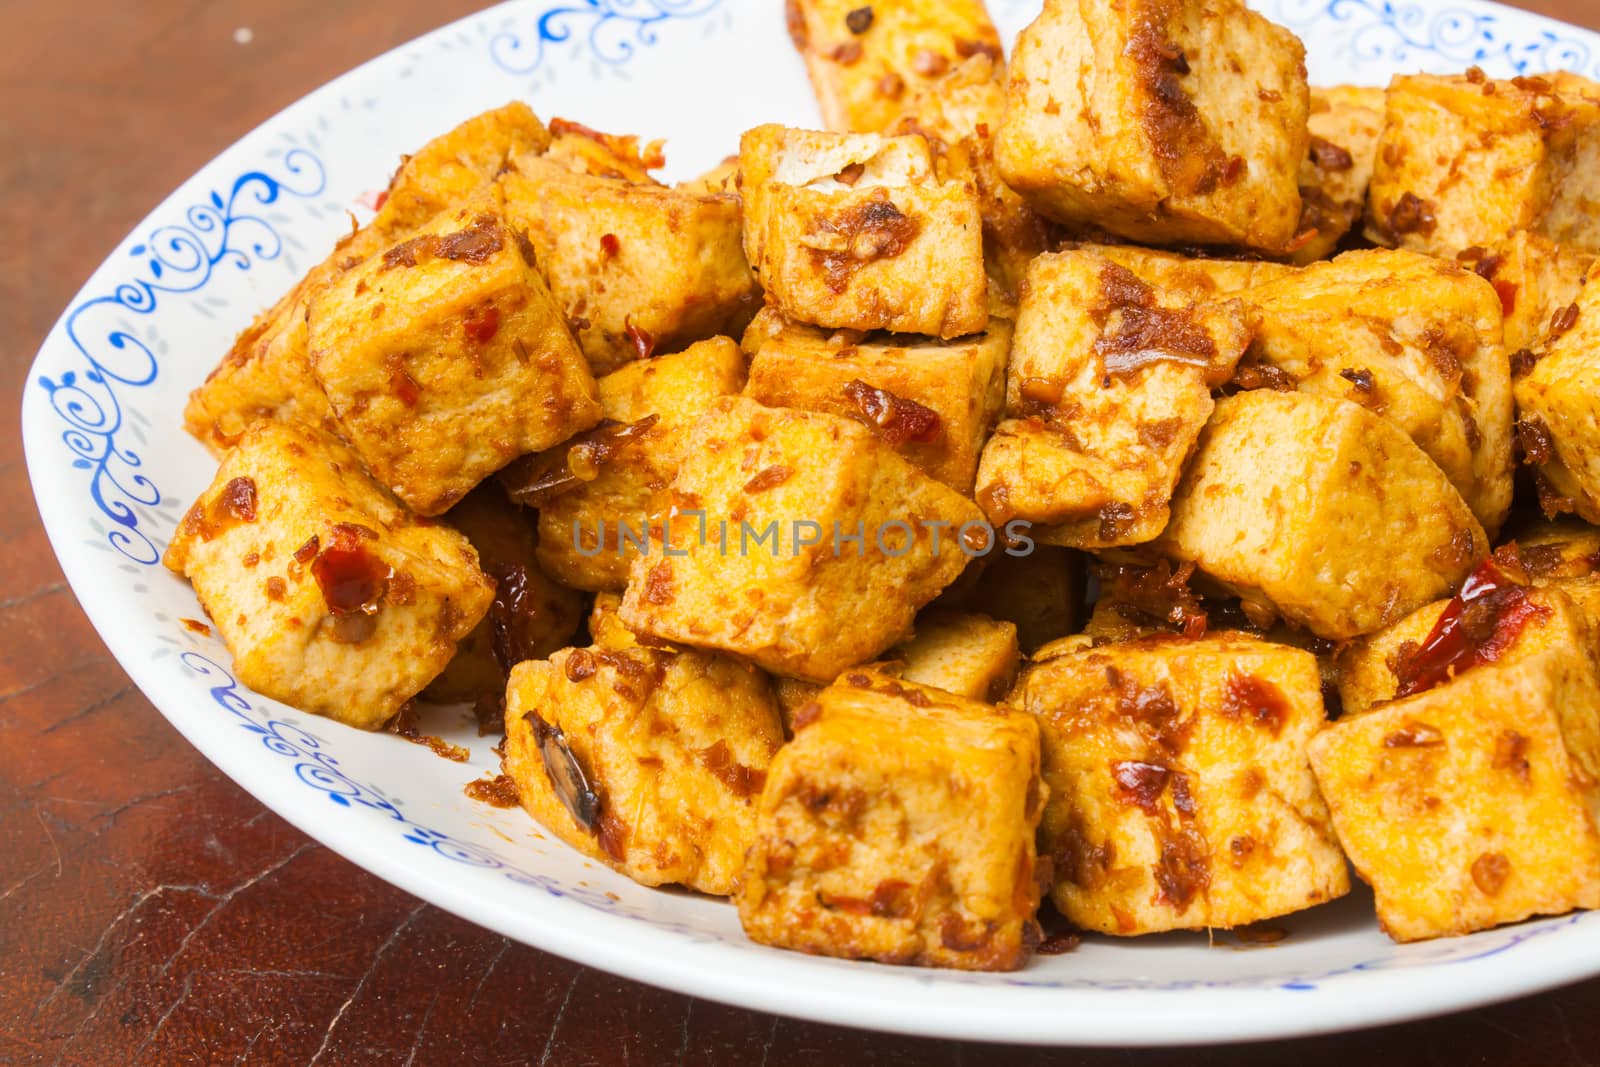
<point x="150" y="911"/>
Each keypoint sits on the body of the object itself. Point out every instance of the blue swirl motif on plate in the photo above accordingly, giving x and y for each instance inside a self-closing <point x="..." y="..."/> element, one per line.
<point x="615" y="30"/>
<point x="1386" y="32"/>
<point x="317" y="768"/>
<point x="176" y="259"/>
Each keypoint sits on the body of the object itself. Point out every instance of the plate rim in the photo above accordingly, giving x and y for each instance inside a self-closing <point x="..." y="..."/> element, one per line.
<point x="667" y="958"/>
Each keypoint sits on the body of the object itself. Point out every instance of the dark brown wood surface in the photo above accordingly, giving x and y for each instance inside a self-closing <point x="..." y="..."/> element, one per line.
<point x="153" y="913"/>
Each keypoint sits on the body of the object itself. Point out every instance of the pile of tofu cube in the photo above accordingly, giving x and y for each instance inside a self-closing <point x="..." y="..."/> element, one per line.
<point x="1237" y="441"/>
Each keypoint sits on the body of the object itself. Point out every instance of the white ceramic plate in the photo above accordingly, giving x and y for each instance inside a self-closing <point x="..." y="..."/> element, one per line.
<point x="113" y="471"/>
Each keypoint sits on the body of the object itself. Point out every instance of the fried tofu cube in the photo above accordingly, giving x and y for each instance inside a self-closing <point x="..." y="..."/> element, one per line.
<point x="605" y="624"/>
<point x="1334" y="98"/>
<point x="865" y="61"/>
<point x="1137" y="597"/>
<point x="898" y="826"/>
<point x="445" y="358"/>
<point x="1181" y="122"/>
<point x="1163" y="728"/>
<point x="1410" y="337"/>
<point x="1069" y="645"/>
<point x="1466" y="161"/>
<point x="793" y="696"/>
<point x="722" y="178"/>
<point x="972" y="656"/>
<point x="456" y="167"/>
<point x="1365" y="669"/>
<point x="969" y="100"/>
<point x="935" y="402"/>
<point x="1013" y="232"/>
<point x="589" y="531"/>
<point x="959" y="114"/>
<point x="780" y="517"/>
<point x="1474" y="803"/>
<point x="857" y="231"/>
<point x="1115" y="622"/>
<point x="1040" y="590"/>
<point x="1564" y="553"/>
<point x="1109" y="386"/>
<point x="1345" y="123"/>
<point x="1535" y="278"/>
<point x="635" y="268"/>
<point x="1321" y="511"/>
<point x="648" y="760"/>
<point x="1181" y="797"/>
<point x="1200" y="279"/>
<point x="1381" y="666"/>
<point x="330" y="596"/>
<point x="1558" y="549"/>
<point x="267" y="373"/>
<point x="532" y="615"/>
<point x="582" y="149"/>
<point x="1565" y="81"/>
<point x="1558" y="411"/>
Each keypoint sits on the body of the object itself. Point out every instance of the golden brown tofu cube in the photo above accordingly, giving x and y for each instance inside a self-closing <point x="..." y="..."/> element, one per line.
<point x="1345" y="123"/>
<point x="589" y="531"/>
<point x="793" y="696"/>
<point x="1143" y="597"/>
<point x="780" y="519"/>
<point x="634" y="268"/>
<point x="972" y="656"/>
<point x="1326" y="99"/>
<point x="935" y="402"/>
<point x="330" y="596"/>
<point x="1180" y="793"/>
<point x="1200" y="279"/>
<point x="532" y="615"/>
<point x="1166" y="122"/>
<point x="1190" y="716"/>
<point x="1365" y="669"/>
<point x="582" y="149"/>
<point x="445" y="358"/>
<point x="866" y="60"/>
<point x="605" y="624"/>
<point x="1114" y="622"/>
<point x="1013" y="232"/>
<point x="1109" y="386"/>
<point x="1041" y="592"/>
<point x="960" y="114"/>
<point x="1558" y="408"/>
<point x="1466" y="161"/>
<point x="1070" y="645"/>
<point x="1412" y="338"/>
<point x="722" y="178"/>
<point x="1564" y="553"/>
<point x="646" y="759"/>
<point x="898" y="826"/>
<point x="1474" y="803"/>
<point x="1322" y="511"/>
<point x="455" y="167"/>
<point x="1557" y="549"/>
<point x="857" y="231"/>
<point x="267" y="374"/>
<point x="1535" y="278"/>
<point x="969" y="100"/>
<point x="1396" y="660"/>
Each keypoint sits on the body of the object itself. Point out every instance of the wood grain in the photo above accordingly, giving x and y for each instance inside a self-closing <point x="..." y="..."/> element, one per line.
<point x="150" y="911"/>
